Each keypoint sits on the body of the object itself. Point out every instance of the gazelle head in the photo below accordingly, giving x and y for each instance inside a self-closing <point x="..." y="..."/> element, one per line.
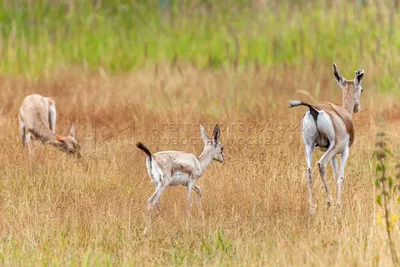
<point x="69" y="144"/>
<point x="351" y="89"/>
<point x="213" y="145"/>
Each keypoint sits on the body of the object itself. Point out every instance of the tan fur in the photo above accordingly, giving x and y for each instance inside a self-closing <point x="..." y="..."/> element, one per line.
<point x="173" y="168"/>
<point x="349" y="97"/>
<point x="330" y="127"/>
<point x="171" y="161"/>
<point x="339" y="117"/>
<point x="36" y="113"/>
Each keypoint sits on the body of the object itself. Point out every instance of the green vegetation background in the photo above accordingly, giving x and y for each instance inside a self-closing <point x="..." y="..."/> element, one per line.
<point x="42" y="36"/>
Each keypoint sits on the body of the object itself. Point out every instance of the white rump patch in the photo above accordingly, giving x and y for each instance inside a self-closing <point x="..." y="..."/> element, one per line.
<point x="325" y="125"/>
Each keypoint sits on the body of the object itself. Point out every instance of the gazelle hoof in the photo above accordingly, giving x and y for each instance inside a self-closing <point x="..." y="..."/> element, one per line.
<point x="313" y="209"/>
<point x="145" y="232"/>
<point x="329" y="201"/>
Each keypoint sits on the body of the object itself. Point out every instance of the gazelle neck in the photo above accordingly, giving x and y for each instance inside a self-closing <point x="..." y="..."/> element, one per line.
<point x="348" y="102"/>
<point x="205" y="158"/>
<point x="46" y="135"/>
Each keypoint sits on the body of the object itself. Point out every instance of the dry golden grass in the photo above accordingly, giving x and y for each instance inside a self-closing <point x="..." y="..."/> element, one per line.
<point x="256" y="209"/>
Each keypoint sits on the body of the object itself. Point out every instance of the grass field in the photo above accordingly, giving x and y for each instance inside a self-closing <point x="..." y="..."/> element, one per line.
<point x="54" y="211"/>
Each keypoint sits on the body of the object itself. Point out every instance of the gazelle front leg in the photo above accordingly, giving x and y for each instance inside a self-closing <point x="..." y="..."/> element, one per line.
<point x="343" y="160"/>
<point x="189" y="191"/>
<point x="196" y="189"/>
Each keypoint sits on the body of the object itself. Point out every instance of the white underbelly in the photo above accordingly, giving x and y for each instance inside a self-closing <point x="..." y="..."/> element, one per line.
<point x="179" y="178"/>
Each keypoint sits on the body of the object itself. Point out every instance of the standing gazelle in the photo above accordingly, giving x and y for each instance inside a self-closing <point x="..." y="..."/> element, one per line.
<point x="37" y="120"/>
<point x="172" y="168"/>
<point x="330" y="127"/>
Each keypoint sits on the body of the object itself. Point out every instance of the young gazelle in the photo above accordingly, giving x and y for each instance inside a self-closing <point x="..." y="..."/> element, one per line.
<point x="172" y="168"/>
<point x="330" y="127"/>
<point x="37" y="120"/>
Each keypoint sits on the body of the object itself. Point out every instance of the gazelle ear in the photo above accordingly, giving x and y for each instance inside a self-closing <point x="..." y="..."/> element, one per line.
<point x="359" y="76"/>
<point x="339" y="78"/>
<point x="204" y="134"/>
<point x="72" y="132"/>
<point x="216" y="133"/>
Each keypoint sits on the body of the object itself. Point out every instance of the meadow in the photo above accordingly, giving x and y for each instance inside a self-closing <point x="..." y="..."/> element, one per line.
<point x="124" y="77"/>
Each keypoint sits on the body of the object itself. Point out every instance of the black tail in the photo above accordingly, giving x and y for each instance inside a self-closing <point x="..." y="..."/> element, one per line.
<point x="144" y="148"/>
<point x="314" y="112"/>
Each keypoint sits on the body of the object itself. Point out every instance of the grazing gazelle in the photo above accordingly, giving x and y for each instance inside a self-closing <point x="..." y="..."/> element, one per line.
<point x="330" y="127"/>
<point x="172" y="168"/>
<point x="37" y="120"/>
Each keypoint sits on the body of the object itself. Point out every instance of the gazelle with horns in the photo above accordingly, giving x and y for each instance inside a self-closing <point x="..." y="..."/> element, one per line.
<point x="37" y="120"/>
<point x="330" y="127"/>
<point x="173" y="168"/>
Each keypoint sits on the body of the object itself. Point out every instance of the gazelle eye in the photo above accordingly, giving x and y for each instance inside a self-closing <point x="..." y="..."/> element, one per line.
<point x="362" y="89"/>
<point x="222" y="148"/>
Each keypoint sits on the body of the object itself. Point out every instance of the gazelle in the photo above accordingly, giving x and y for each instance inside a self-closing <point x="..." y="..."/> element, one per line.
<point x="330" y="127"/>
<point x="37" y="120"/>
<point x="172" y="168"/>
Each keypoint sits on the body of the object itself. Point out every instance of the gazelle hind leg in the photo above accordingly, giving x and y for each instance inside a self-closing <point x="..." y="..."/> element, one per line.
<point x="335" y="168"/>
<point x="158" y="206"/>
<point x="150" y="204"/>
<point x="309" y="152"/>
<point x="309" y="133"/>
<point x="325" y="125"/>
<point x="343" y="160"/>
<point x="29" y="144"/>
<point x="22" y="132"/>
<point x="322" y="169"/>
<point x="155" y="179"/>
<point x="52" y="118"/>
<point x="153" y="200"/>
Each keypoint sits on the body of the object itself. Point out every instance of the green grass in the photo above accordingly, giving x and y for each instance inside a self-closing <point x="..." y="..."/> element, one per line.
<point x="123" y="35"/>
